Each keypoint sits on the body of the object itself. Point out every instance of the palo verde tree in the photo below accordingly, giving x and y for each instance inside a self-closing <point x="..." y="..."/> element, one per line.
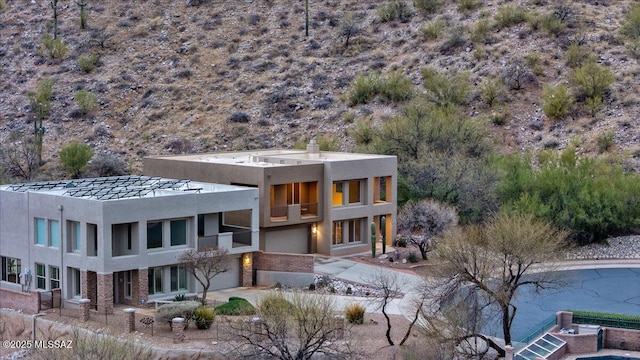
<point x="292" y="326"/>
<point x="495" y="260"/>
<point x="422" y="220"/>
<point x="205" y="265"/>
<point x="75" y="157"/>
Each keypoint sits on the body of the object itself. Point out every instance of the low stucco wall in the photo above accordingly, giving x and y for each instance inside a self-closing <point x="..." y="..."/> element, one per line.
<point x="271" y="278"/>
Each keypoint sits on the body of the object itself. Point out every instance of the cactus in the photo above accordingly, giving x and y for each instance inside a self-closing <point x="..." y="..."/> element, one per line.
<point x="383" y="234"/>
<point x="373" y="239"/>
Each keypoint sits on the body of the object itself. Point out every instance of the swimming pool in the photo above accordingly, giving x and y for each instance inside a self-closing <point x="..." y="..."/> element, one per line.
<point x="608" y="357"/>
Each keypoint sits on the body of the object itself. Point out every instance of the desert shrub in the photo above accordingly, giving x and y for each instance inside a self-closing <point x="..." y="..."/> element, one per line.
<point x="491" y="89"/>
<point x="427" y="7"/>
<point x="533" y="61"/>
<point x="454" y="41"/>
<point x="204" y="316"/>
<point x="363" y="134"/>
<point x="516" y="75"/>
<point x="86" y="100"/>
<point x="577" y="55"/>
<point x="592" y="80"/>
<point x="433" y="29"/>
<point x="275" y="303"/>
<point x="86" y="63"/>
<point x="446" y="91"/>
<point x="3" y="5"/>
<point x="556" y="101"/>
<point x="363" y="88"/>
<point x="480" y="32"/>
<point x="74" y="157"/>
<point x="105" y="164"/>
<point x="354" y="313"/>
<point x="236" y="307"/>
<point x="394" y="10"/>
<point x="468" y="5"/>
<point x="54" y="47"/>
<point x="551" y="24"/>
<point x="412" y="258"/>
<point x="312" y="287"/>
<point x="395" y="87"/>
<point x="183" y="309"/>
<point x="40" y="100"/>
<point x="509" y="15"/>
<point x="179" y="297"/>
<point x="605" y="140"/>
<point x="400" y="242"/>
<point x="239" y="117"/>
<point x="631" y="23"/>
<point x="590" y="196"/>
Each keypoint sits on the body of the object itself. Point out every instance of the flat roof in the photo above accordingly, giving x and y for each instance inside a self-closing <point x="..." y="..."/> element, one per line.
<point x="120" y="187"/>
<point x="272" y="158"/>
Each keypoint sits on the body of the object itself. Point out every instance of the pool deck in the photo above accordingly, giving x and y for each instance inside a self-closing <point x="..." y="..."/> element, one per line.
<point x="603" y="352"/>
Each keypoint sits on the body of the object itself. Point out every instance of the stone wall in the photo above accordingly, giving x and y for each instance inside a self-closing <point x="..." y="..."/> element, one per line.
<point x="580" y="343"/>
<point x="27" y="302"/>
<point x="622" y="339"/>
<point x="268" y="261"/>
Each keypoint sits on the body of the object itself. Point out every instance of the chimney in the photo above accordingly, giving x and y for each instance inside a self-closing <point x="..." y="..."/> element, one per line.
<point x="313" y="148"/>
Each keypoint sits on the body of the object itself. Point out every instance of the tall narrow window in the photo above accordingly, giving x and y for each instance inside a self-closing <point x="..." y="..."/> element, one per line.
<point x="41" y="277"/>
<point x="73" y="235"/>
<point x="355" y="229"/>
<point x="178" y="232"/>
<point x="41" y="232"/>
<point x="154" y="234"/>
<point x="54" y="233"/>
<point x="127" y="284"/>
<point x="355" y="188"/>
<point x="155" y="281"/>
<point x="54" y="277"/>
<point x="178" y="278"/>
<point x="77" y="281"/>
<point x="336" y="233"/>
<point x="337" y="194"/>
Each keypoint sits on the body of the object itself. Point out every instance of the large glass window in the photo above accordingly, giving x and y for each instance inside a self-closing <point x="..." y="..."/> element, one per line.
<point x="54" y="233"/>
<point x="11" y="268"/>
<point x="41" y="232"/>
<point x="355" y="230"/>
<point x="178" y="278"/>
<point x="54" y="277"/>
<point x="382" y="189"/>
<point x="155" y="281"/>
<point x="178" y="232"/>
<point x="41" y="276"/>
<point x="337" y="194"/>
<point x="336" y="233"/>
<point x="154" y="234"/>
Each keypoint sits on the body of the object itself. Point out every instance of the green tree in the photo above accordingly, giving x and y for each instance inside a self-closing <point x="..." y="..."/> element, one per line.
<point x="75" y="157"/>
<point x="495" y="261"/>
<point x="591" y="80"/>
<point x="556" y="101"/>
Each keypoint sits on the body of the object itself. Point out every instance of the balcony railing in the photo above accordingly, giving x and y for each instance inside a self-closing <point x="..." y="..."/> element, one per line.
<point x="227" y="240"/>
<point x="294" y="211"/>
<point x="309" y="209"/>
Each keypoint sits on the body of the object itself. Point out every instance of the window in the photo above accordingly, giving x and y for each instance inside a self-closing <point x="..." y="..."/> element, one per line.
<point x="54" y="233"/>
<point x="41" y="277"/>
<point x="354" y="191"/>
<point x="127" y="284"/>
<point x="41" y="232"/>
<point x="178" y="278"/>
<point x="155" y="281"/>
<point x="11" y="269"/>
<point x="178" y="232"/>
<point x="92" y="239"/>
<point x="154" y="234"/>
<point x="337" y="194"/>
<point x="73" y="235"/>
<point x="355" y="231"/>
<point x="336" y="233"/>
<point x="382" y="189"/>
<point x="54" y="277"/>
<point x="77" y="281"/>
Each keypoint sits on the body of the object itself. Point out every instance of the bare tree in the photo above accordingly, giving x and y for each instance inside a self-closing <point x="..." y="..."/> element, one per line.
<point x="495" y="260"/>
<point x="20" y="159"/>
<point x="387" y="284"/>
<point x="294" y="326"/>
<point x="205" y="265"/>
<point x="423" y="220"/>
<point x="349" y="27"/>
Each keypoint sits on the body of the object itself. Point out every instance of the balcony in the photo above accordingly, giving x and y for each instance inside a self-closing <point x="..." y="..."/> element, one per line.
<point x="225" y="240"/>
<point x="294" y="212"/>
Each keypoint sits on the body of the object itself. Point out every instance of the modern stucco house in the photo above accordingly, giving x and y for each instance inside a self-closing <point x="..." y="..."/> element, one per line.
<point x="117" y="239"/>
<point x="311" y="201"/>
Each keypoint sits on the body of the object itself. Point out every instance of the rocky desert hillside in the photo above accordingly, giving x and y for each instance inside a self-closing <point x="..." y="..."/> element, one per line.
<point x="188" y="76"/>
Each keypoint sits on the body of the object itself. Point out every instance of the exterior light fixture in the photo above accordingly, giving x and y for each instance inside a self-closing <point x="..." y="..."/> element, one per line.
<point x="247" y="259"/>
<point x="314" y="229"/>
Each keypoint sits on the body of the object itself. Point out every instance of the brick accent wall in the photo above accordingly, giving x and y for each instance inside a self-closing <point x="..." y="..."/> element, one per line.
<point x="623" y="339"/>
<point x="580" y="344"/>
<point x="140" y="285"/>
<point x="105" y="293"/>
<point x="268" y="261"/>
<point x="564" y="319"/>
<point x="246" y="270"/>
<point x="27" y="302"/>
